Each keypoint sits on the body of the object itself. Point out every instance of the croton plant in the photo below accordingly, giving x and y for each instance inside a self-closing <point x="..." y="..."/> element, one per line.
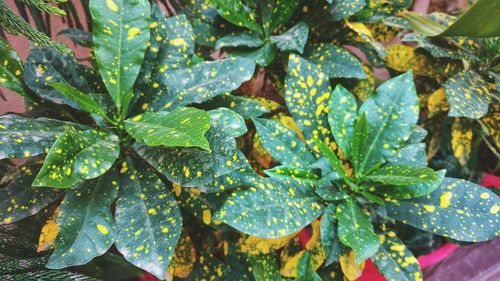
<point x="154" y="156"/>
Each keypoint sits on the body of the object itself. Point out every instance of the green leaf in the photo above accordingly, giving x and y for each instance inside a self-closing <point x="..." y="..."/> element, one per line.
<point x="410" y="154"/>
<point x="84" y="101"/>
<point x="282" y="143"/>
<point x="45" y="66"/>
<point x="19" y="199"/>
<point x="178" y="49"/>
<point x="392" y="112"/>
<point x="265" y="267"/>
<point x="11" y="68"/>
<point x="276" y="13"/>
<point x="193" y="167"/>
<point x="477" y="21"/>
<point x="457" y="209"/>
<point x="329" y="239"/>
<point x="355" y="230"/>
<point x="231" y="119"/>
<point x="121" y="33"/>
<point x="271" y="208"/>
<point x="342" y="9"/>
<point x="467" y="94"/>
<point x="409" y="191"/>
<point x="305" y="269"/>
<point x="395" y="261"/>
<point x="341" y="116"/>
<point x="333" y="159"/>
<point x="292" y="172"/>
<point x="148" y="219"/>
<point x="183" y="127"/>
<point x="76" y="156"/>
<point x="243" y="39"/>
<point x="238" y="14"/>
<point x="293" y="39"/>
<point x="237" y="178"/>
<point x="87" y="228"/>
<point x="372" y="198"/>
<point x="402" y="175"/>
<point x="307" y="93"/>
<point x="335" y="61"/>
<point x="244" y="106"/>
<point x="358" y="142"/>
<point x="25" y="137"/>
<point x="202" y="82"/>
<point x="263" y="56"/>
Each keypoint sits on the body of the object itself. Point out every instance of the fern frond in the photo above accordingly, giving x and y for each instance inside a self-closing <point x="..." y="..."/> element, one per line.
<point x="45" y="7"/>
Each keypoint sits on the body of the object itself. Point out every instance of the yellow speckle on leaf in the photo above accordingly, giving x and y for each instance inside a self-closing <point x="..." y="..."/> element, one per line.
<point x="152" y="211"/>
<point x="430" y="208"/>
<point x="178" y="42"/>
<point x="494" y="209"/>
<point x="102" y="229"/>
<point x="445" y="199"/>
<point x="132" y="32"/>
<point x="207" y="216"/>
<point x="112" y="6"/>
<point x="485" y="195"/>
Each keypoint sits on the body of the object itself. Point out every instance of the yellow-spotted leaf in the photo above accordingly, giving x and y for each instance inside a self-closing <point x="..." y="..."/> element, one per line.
<point x="402" y="175"/>
<point x="255" y="245"/>
<point x="335" y="61"/>
<point x="283" y="143"/>
<point x="11" y="68"/>
<point x="183" y="127"/>
<point x="467" y="94"/>
<point x="329" y="239"/>
<point x="437" y="102"/>
<point x="121" y="33"/>
<point x="307" y="93"/>
<point x="236" y="12"/>
<point x="18" y="199"/>
<point x="392" y="113"/>
<point x="355" y="230"/>
<point x="49" y="232"/>
<point x="25" y="137"/>
<point x="184" y="258"/>
<point x="366" y="36"/>
<point x="76" y="156"/>
<point x="265" y="267"/>
<point x="148" y="219"/>
<point x="266" y="207"/>
<point x="461" y="140"/>
<point x="457" y="209"/>
<point x="403" y="58"/>
<point x="342" y="116"/>
<point x="395" y="261"/>
<point x="87" y="229"/>
<point x="305" y="269"/>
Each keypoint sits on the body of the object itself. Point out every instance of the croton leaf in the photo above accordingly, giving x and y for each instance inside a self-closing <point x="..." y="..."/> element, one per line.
<point x="293" y="39"/>
<point x="276" y="12"/>
<point x="183" y="127"/>
<point x="409" y="191"/>
<point x="341" y="9"/>
<point x="76" y="156"/>
<point x="410" y="154"/>
<point x="11" y="68"/>
<point x="244" y="106"/>
<point x="402" y="175"/>
<point x="282" y="143"/>
<point x="179" y="47"/>
<point x="243" y="39"/>
<point x="20" y="199"/>
<point x="403" y="58"/>
<point x="202" y="82"/>
<point x="358" y="141"/>
<point x="184" y="257"/>
<point x="392" y="113"/>
<point x="121" y="33"/>
<point x="237" y="13"/>
<point x="84" y="101"/>
<point x="148" y="219"/>
<point x="373" y="45"/>
<point x="305" y="269"/>
<point x="194" y="167"/>
<point x="47" y="65"/>
<point x="395" y="261"/>
<point x="335" y="61"/>
<point x="307" y="92"/>
<point x="265" y="267"/>
<point x="234" y="121"/>
<point x="467" y="94"/>
<point x="329" y="239"/>
<point x="87" y="228"/>
<point x="457" y="209"/>
<point x="355" y="230"/>
<point x="267" y="207"/>
<point x="336" y="163"/>
<point x="25" y="137"/>
<point x="292" y="172"/>
<point x="341" y="116"/>
<point x="263" y="56"/>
